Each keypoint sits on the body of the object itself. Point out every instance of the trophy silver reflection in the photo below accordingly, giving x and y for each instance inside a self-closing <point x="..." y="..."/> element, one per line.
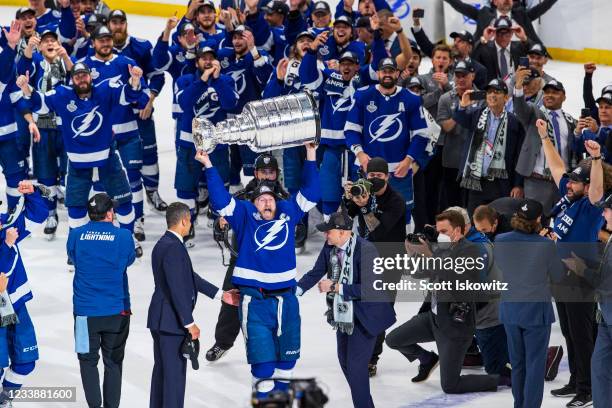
<point x="267" y="124"/>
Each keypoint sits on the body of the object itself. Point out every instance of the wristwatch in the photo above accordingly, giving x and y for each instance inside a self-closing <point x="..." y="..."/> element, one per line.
<point x="332" y="288"/>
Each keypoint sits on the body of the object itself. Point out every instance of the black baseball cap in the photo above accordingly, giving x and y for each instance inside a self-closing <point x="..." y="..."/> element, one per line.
<point x="463" y="35"/>
<point x="378" y="165"/>
<point x="305" y="33"/>
<point x="349" y="56"/>
<point x="240" y="29"/>
<point x="387" y="63"/>
<point x="49" y="32"/>
<point x="207" y="3"/>
<point x="538" y="49"/>
<point x="96" y="19"/>
<point x="276" y="6"/>
<point x="581" y="174"/>
<point x="554" y="84"/>
<point x="529" y="209"/>
<point x="497" y="84"/>
<point x="343" y="20"/>
<point x="23" y="10"/>
<point x="502" y="23"/>
<point x="100" y="203"/>
<point x="101" y="31"/>
<point x="265" y="187"/>
<point x="79" y="67"/>
<point x="266" y="161"/>
<point x="415" y="47"/>
<point x="186" y="27"/>
<point x="119" y="14"/>
<point x="464" y="66"/>
<point x="606" y="97"/>
<point x="204" y="50"/>
<point x="414" y="82"/>
<point x="321" y="7"/>
<point x="338" y="220"/>
<point x="363" y="22"/>
<point x="606" y="89"/>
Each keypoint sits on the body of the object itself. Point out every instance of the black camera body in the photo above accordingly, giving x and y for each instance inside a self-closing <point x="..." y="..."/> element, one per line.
<point x="306" y="392"/>
<point x="429" y="234"/>
<point x="460" y="311"/>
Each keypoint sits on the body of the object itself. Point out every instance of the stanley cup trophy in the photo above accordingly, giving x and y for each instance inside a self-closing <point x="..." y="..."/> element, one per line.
<point x="284" y="121"/>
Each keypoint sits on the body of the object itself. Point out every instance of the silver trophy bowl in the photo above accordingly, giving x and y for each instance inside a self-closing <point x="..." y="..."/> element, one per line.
<point x="267" y="124"/>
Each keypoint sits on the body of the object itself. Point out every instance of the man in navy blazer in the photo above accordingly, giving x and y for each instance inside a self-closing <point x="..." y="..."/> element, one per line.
<point x="170" y="316"/>
<point x="345" y="286"/>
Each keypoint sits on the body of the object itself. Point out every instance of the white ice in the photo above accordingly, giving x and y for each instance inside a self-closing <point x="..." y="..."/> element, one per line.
<point x="227" y="383"/>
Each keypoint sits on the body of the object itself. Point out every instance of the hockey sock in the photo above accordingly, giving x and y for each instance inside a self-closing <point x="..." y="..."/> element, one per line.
<point x="188" y="198"/>
<point x="52" y="200"/>
<point x="284" y="369"/>
<point x="15" y="376"/>
<point x="77" y="216"/>
<point x="135" y="180"/>
<point x="125" y="216"/>
<point x="261" y="371"/>
<point x="150" y="173"/>
<point x="12" y="193"/>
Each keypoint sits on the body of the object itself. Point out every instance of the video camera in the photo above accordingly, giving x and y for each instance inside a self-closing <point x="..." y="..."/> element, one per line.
<point x="303" y="391"/>
<point x="429" y="234"/>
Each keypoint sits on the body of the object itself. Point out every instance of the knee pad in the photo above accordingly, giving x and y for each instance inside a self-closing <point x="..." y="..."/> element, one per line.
<point x="283" y="369"/>
<point x="261" y="371"/>
<point x="77" y="216"/>
<point x="16" y="374"/>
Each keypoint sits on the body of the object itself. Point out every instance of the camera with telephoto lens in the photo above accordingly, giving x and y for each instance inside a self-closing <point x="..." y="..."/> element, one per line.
<point x="429" y="234"/>
<point x="459" y="311"/>
<point x="305" y="392"/>
<point x="360" y="187"/>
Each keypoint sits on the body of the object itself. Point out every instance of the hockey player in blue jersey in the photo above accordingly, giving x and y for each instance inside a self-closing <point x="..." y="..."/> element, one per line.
<point x="106" y="66"/>
<point x="387" y="121"/>
<point x="267" y="24"/>
<point x="48" y="68"/>
<point x="18" y="346"/>
<point x="62" y="21"/>
<point x="335" y="89"/>
<point x="341" y="41"/>
<point x="84" y="114"/>
<point x="251" y="70"/>
<point x="205" y="94"/>
<point x="265" y="270"/>
<point x="203" y="15"/>
<point x="140" y="51"/>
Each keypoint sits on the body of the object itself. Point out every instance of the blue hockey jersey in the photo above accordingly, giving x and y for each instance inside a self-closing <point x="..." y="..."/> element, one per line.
<point x="141" y="51"/>
<point x="37" y="66"/>
<point x="211" y="100"/>
<point x="115" y="70"/>
<point x="10" y="258"/>
<point x="270" y="39"/>
<point x="250" y="76"/>
<point x="266" y="249"/>
<point x="86" y="124"/>
<point x="332" y="51"/>
<point x="61" y="21"/>
<point x="391" y="127"/>
<point x="10" y="95"/>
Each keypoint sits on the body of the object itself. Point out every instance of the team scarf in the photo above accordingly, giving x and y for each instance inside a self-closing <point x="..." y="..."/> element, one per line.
<point x="564" y="213"/>
<point x="339" y="311"/>
<point x="551" y="134"/>
<point x="473" y="170"/>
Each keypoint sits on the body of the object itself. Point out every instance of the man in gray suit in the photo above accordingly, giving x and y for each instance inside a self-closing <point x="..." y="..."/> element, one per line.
<point x="531" y="164"/>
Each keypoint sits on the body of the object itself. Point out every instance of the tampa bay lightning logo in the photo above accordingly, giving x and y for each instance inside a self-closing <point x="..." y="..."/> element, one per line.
<point x="342" y="104"/>
<point x="386" y="128"/>
<point x="272" y="235"/>
<point x="86" y="124"/>
<point x="239" y="80"/>
<point x="203" y="108"/>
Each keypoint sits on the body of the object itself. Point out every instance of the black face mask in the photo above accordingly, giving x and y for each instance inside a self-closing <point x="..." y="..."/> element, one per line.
<point x="490" y="236"/>
<point x="377" y="184"/>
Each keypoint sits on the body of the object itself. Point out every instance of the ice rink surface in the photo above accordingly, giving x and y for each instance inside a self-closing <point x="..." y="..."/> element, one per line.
<point x="227" y="384"/>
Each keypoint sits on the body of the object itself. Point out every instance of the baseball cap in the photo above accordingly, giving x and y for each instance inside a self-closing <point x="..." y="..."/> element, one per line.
<point x="49" y="32"/>
<point x="606" y="97"/>
<point x="101" y="31"/>
<point x="414" y="82"/>
<point x="415" y="47"/>
<point x="240" y="29"/>
<point x="343" y="20"/>
<point x="464" y="66"/>
<point x="266" y="161"/>
<point x="338" y="220"/>
<point x="207" y="3"/>
<point x="264" y="187"/>
<point x="23" y="10"/>
<point x="554" y="84"/>
<point x="497" y="84"/>
<point x="100" y="203"/>
<point x="581" y="174"/>
<point x="378" y="165"/>
<point x="538" y="49"/>
<point x="186" y="27"/>
<point x="120" y="14"/>
<point x="363" y="22"/>
<point x="96" y="19"/>
<point x="529" y="209"/>
<point x="79" y="67"/>
<point x="349" y="56"/>
<point x="206" y="49"/>
<point x="606" y="89"/>
<point x="387" y="63"/>
<point x="276" y="6"/>
<point x="305" y="33"/>
<point x="502" y="23"/>
<point x="321" y="7"/>
<point x="463" y="35"/>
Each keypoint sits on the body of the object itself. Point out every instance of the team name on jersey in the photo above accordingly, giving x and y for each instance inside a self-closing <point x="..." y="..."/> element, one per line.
<point x="97" y="236"/>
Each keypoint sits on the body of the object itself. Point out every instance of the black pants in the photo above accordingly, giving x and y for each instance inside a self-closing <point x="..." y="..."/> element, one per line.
<point x="451" y="193"/>
<point x="423" y="328"/>
<point x="169" y="371"/>
<point x="109" y="333"/>
<point x="491" y="190"/>
<point x="577" y="321"/>
<point x="228" y="323"/>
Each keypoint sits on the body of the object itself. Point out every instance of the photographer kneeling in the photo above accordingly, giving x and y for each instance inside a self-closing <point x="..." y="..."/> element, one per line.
<point x="381" y="212"/>
<point x="451" y="321"/>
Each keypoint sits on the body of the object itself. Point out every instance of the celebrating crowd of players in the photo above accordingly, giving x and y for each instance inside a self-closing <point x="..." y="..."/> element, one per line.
<point x="78" y="94"/>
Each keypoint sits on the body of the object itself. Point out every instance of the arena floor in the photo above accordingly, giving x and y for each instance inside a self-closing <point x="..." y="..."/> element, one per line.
<point x="228" y="383"/>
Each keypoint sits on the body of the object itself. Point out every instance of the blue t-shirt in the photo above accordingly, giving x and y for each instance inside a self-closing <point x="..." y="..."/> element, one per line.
<point x="581" y="221"/>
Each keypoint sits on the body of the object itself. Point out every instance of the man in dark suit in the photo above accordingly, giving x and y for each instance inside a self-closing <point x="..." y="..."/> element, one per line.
<point x="516" y="12"/>
<point x="496" y="50"/>
<point x="348" y="261"/>
<point x="170" y="312"/>
<point x="440" y="323"/>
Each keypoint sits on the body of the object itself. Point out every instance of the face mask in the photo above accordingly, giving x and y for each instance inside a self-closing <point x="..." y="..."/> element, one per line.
<point x="490" y="236"/>
<point x="444" y="238"/>
<point x="377" y="184"/>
